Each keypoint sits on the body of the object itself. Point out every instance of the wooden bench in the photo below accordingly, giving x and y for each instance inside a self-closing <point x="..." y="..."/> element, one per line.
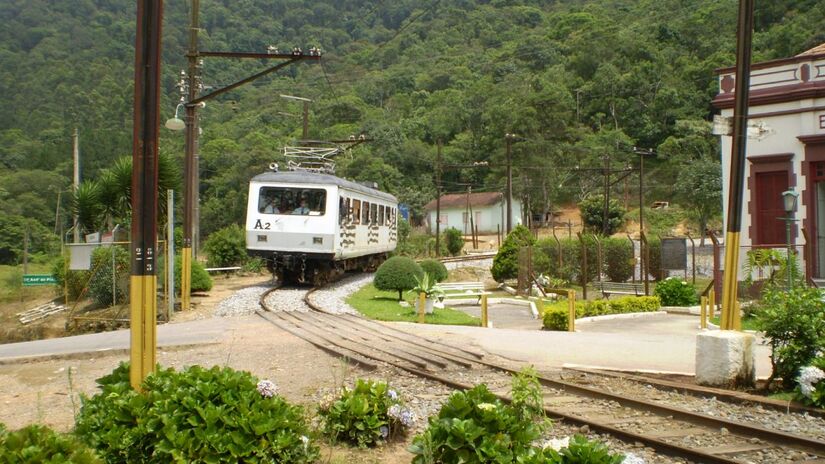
<point x="462" y="289"/>
<point x="620" y="288"/>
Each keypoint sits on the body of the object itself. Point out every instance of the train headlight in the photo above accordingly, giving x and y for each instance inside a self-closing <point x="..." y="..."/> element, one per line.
<point x="262" y="238"/>
<point x="317" y="240"/>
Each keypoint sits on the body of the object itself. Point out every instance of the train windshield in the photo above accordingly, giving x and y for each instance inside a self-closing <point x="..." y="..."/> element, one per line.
<point x="288" y="200"/>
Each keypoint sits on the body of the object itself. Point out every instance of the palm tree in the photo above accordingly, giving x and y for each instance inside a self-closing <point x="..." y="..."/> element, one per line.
<point x="108" y="200"/>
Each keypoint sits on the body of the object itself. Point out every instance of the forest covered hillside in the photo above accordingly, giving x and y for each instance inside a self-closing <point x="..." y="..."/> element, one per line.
<point x="578" y="81"/>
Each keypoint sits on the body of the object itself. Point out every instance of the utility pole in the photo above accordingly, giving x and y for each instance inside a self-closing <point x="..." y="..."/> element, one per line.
<point x="438" y="200"/>
<point x="606" y="213"/>
<point x="75" y="181"/>
<point x="508" y="138"/>
<point x="190" y="167"/>
<point x="143" y="283"/>
<point x="191" y="170"/>
<point x="730" y="312"/>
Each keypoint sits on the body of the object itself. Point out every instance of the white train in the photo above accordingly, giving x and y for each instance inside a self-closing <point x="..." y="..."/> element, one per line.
<point x="311" y="227"/>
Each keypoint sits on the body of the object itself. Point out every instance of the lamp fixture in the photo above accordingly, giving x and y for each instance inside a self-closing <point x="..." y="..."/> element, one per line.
<point x="789" y="198"/>
<point x="175" y="123"/>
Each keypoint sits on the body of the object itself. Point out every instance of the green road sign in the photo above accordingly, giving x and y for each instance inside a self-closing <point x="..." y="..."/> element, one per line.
<point x="30" y="280"/>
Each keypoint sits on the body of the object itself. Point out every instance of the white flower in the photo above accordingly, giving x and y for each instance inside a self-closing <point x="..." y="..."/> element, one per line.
<point x="267" y="388"/>
<point x="394" y="411"/>
<point x="393" y="395"/>
<point x="809" y="376"/>
<point x="557" y="443"/>
<point x="385" y="431"/>
<point x="305" y="441"/>
<point x="486" y="406"/>
<point x="631" y="458"/>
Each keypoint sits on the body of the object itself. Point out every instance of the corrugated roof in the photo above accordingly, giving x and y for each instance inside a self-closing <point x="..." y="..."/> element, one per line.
<point x="459" y="200"/>
<point x="818" y="50"/>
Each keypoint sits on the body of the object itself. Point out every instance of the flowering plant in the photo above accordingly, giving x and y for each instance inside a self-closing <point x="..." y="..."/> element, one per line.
<point x="811" y="383"/>
<point x="366" y="414"/>
<point x="428" y="286"/>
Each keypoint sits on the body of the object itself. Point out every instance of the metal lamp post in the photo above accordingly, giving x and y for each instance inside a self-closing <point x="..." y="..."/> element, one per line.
<point x="789" y="198"/>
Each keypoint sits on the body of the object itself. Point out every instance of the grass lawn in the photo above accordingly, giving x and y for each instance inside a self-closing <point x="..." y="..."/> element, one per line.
<point x="748" y="323"/>
<point x="383" y="306"/>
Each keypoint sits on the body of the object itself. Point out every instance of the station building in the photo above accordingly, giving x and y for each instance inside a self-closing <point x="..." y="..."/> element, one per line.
<point x="488" y="210"/>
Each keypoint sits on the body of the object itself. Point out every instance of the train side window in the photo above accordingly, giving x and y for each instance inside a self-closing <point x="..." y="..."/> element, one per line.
<point x="356" y="212"/>
<point x="381" y="215"/>
<point x="374" y="214"/>
<point x="365" y="216"/>
<point x="343" y="209"/>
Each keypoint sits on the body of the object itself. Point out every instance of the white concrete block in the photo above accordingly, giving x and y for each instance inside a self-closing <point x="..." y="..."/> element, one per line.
<point x="725" y="358"/>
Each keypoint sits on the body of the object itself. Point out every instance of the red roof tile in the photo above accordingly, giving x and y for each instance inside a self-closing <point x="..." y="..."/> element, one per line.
<point x="459" y="200"/>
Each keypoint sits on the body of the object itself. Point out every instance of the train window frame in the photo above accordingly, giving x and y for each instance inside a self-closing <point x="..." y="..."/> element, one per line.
<point x="365" y="213"/>
<point x="289" y="198"/>
<point x="374" y="214"/>
<point x="381" y="220"/>
<point x="355" y="212"/>
<point x="343" y="209"/>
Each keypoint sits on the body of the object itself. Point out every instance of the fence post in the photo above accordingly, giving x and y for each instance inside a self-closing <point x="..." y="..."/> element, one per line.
<point x="717" y="273"/>
<point x="571" y="310"/>
<point x="644" y="255"/>
<point x="421" y="298"/>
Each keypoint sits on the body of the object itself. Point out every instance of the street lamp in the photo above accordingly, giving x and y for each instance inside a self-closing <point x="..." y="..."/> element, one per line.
<point x="789" y="198"/>
<point x="175" y="123"/>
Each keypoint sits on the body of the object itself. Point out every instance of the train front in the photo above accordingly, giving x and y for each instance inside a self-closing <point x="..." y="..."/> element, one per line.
<point x="290" y="223"/>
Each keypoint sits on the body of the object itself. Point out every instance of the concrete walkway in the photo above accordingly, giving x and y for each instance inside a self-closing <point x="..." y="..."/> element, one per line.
<point x="651" y="342"/>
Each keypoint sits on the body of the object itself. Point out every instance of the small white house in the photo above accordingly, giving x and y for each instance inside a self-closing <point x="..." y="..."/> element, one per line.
<point x="489" y="212"/>
<point x="785" y="150"/>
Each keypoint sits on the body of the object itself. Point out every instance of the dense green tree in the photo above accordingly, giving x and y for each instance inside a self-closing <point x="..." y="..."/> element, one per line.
<point x="699" y="186"/>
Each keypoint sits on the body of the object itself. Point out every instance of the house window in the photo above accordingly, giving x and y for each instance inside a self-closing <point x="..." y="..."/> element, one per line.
<point x="443" y="220"/>
<point x="769" y="227"/>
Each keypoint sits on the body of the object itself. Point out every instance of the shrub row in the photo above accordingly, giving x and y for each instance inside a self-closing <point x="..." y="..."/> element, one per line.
<point x="555" y="316"/>
<point x="220" y="415"/>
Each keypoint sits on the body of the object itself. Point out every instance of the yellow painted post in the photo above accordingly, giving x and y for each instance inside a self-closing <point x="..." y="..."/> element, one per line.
<point x="143" y="329"/>
<point x="484" y="311"/>
<point x="737" y="319"/>
<point x="185" y="278"/>
<point x="712" y="297"/>
<point x="571" y="312"/>
<point x="703" y="313"/>
<point x="421" y="303"/>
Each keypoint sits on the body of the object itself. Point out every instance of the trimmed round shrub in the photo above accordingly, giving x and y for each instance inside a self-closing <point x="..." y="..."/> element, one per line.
<point x="676" y="292"/>
<point x="195" y="416"/>
<point x="505" y="264"/>
<point x="201" y="281"/>
<point x="38" y="443"/>
<point x="454" y="240"/>
<point x="435" y="269"/>
<point x="226" y="247"/>
<point x="399" y="274"/>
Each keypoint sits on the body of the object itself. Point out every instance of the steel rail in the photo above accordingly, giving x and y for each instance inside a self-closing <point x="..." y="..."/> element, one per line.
<point x="742" y="431"/>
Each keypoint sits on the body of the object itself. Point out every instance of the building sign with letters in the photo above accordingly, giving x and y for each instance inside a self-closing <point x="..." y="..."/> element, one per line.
<point x="30" y="280"/>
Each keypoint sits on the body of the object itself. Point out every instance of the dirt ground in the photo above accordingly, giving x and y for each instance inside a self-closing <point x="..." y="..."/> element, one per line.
<point x="48" y="392"/>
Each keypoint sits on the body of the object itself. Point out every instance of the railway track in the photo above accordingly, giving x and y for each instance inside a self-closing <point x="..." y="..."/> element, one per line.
<point x="669" y="430"/>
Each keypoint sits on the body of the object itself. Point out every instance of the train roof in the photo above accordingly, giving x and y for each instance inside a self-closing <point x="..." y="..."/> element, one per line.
<point x="315" y="178"/>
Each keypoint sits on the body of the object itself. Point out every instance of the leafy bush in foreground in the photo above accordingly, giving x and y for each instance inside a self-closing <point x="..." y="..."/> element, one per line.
<point x="195" y="416"/>
<point x="365" y="415"/>
<point x="793" y="322"/>
<point x="200" y="278"/>
<point x="475" y="426"/>
<point x="37" y="444"/>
